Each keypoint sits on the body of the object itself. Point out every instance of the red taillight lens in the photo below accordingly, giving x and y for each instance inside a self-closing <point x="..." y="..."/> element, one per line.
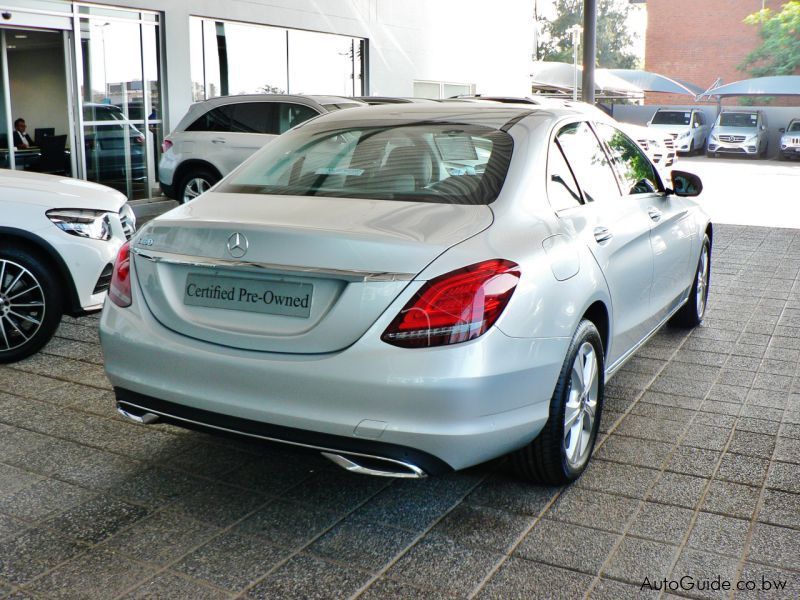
<point x="455" y="307"/>
<point x="166" y="145"/>
<point x="120" y="290"/>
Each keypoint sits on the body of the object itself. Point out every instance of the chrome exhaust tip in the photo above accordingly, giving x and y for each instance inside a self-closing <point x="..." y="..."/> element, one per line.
<point x="378" y="466"/>
<point x="145" y="418"/>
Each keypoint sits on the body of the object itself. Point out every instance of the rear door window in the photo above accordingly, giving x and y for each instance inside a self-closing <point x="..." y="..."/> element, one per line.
<point x="562" y="189"/>
<point x="290" y="114"/>
<point x="589" y="162"/>
<point x="636" y="173"/>
<point x="217" y="119"/>
<point x="254" y="117"/>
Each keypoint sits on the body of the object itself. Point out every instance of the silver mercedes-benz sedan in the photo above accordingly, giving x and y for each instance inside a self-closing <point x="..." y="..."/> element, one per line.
<point x="411" y="289"/>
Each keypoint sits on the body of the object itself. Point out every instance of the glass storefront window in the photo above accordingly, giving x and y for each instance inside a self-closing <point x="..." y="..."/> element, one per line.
<point x="321" y="64"/>
<point x="247" y="46"/>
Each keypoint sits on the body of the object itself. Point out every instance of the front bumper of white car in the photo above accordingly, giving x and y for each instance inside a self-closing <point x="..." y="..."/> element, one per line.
<point x="437" y="408"/>
<point x="733" y="145"/>
<point x="790" y="146"/>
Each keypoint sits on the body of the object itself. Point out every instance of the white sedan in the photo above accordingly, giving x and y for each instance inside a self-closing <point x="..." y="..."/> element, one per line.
<point x="58" y="241"/>
<point x="411" y="289"/>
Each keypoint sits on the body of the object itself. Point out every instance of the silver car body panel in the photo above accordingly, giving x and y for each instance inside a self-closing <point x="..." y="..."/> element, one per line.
<point x="464" y="403"/>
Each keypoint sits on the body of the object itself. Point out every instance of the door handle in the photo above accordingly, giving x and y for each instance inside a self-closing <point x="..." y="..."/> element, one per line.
<point x="654" y="213"/>
<point x="218" y="141"/>
<point x="602" y="234"/>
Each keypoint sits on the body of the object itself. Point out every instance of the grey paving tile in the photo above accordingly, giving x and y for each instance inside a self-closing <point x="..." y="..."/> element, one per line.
<point x="778" y="546"/>
<point x="43" y="499"/>
<point x="569" y="546"/>
<point x="210" y="460"/>
<point x="99" y="470"/>
<point x="764" y="420"/>
<point x="694" y="461"/>
<point x="717" y="420"/>
<point x="659" y="411"/>
<point x="742" y="469"/>
<point x="678" y="489"/>
<point x="707" y="437"/>
<point x="766" y="398"/>
<point x="671" y="400"/>
<point x="704" y="566"/>
<point x="634" y="451"/>
<point x="95" y="574"/>
<point x="512" y="495"/>
<point x="153" y="486"/>
<point x="718" y="407"/>
<point x="617" y="478"/>
<point x="13" y="479"/>
<point x="55" y="456"/>
<point x="648" y="428"/>
<point x="483" y="526"/>
<point x="388" y="588"/>
<point x="661" y="523"/>
<point x="439" y="562"/>
<point x="681" y="387"/>
<point x="171" y="585"/>
<point x="636" y="559"/>
<point x="787" y="450"/>
<point x="731" y="499"/>
<point x="780" y="508"/>
<point x="784" y="476"/>
<point x="161" y="537"/>
<point x="728" y="393"/>
<point x="720" y="534"/>
<point x="593" y="509"/>
<point x="520" y="579"/>
<point x="791" y="430"/>
<point x="33" y="552"/>
<point x="608" y="589"/>
<point x="336" y="489"/>
<point x="768" y="582"/>
<point x="11" y="527"/>
<point x="287" y="524"/>
<point x="232" y="560"/>
<point x="362" y="544"/>
<point x="305" y="577"/>
<point x="97" y="519"/>
<point x="752" y="444"/>
<point x="218" y="504"/>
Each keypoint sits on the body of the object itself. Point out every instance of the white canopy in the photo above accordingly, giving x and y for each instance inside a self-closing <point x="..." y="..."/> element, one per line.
<point x="561" y="77"/>
<point x="782" y="85"/>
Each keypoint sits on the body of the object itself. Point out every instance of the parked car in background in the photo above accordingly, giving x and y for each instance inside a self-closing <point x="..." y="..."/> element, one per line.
<point x="790" y="140"/>
<point x="111" y="145"/>
<point x="58" y="241"/>
<point x="688" y="128"/>
<point x="411" y="289"/>
<point x="217" y="135"/>
<point x="739" y="132"/>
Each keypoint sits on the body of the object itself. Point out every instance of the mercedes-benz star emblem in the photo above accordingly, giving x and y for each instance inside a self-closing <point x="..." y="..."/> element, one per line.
<point x="238" y="245"/>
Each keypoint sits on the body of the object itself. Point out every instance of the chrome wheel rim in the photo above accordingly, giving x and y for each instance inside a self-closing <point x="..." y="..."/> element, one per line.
<point x="702" y="283"/>
<point x="195" y="187"/>
<point x="22" y="305"/>
<point x="581" y="408"/>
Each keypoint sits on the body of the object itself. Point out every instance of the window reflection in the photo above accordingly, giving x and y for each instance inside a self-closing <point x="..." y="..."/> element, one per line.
<point x="637" y="175"/>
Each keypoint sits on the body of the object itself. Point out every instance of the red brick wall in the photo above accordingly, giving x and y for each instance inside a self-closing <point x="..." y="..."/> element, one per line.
<point x="699" y="40"/>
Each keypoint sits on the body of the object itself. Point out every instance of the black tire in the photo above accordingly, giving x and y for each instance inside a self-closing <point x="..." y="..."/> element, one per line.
<point x="763" y="154"/>
<point x="691" y="314"/>
<point x="691" y="148"/>
<point x="36" y="283"/>
<point x="711" y="154"/>
<point x="545" y="459"/>
<point x="206" y="176"/>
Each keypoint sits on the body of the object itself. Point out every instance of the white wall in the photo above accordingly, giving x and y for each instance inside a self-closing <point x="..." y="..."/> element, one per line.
<point x="485" y="43"/>
<point x="39" y="88"/>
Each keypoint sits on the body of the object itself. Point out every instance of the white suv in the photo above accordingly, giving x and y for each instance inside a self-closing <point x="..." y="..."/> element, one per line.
<point x="217" y="135"/>
<point x="58" y="241"/>
<point x="688" y="128"/>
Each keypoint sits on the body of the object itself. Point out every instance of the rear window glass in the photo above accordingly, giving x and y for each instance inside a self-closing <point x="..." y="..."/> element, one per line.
<point x="450" y="163"/>
<point x="672" y="117"/>
<point x="749" y="120"/>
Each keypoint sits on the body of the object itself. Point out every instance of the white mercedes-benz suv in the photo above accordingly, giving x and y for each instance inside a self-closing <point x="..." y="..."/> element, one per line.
<point x="58" y="240"/>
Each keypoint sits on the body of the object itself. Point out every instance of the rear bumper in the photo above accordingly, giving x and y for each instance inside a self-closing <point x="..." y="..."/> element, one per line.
<point x="460" y="405"/>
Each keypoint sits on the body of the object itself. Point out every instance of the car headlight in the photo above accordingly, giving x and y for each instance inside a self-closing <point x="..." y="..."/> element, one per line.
<point x="714" y="138"/>
<point x="92" y="224"/>
<point x="127" y="219"/>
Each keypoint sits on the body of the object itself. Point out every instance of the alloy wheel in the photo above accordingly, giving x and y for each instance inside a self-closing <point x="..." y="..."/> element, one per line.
<point x="195" y="187"/>
<point x="22" y="305"/>
<point x="581" y="406"/>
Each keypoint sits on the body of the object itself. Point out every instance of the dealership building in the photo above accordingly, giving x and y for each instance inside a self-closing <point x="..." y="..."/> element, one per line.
<point x="108" y="81"/>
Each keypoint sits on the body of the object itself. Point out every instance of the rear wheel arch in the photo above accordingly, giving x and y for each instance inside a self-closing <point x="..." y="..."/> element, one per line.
<point x="188" y="166"/>
<point x="24" y="240"/>
<point x="598" y="314"/>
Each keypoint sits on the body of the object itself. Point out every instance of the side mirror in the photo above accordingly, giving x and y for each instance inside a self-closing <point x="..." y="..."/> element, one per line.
<point x="696" y="125"/>
<point x="685" y="184"/>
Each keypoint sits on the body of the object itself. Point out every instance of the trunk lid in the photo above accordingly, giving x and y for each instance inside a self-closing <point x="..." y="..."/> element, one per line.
<point x="302" y="274"/>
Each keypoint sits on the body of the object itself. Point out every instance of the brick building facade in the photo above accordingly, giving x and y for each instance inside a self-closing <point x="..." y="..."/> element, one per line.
<point x="700" y="40"/>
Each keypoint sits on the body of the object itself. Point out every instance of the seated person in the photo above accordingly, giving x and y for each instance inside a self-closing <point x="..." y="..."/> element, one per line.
<point x="21" y="139"/>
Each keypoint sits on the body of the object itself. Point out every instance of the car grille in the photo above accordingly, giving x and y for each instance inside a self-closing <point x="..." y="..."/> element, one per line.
<point x="643" y="144"/>
<point x="794" y="141"/>
<point x="732" y="138"/>
<point x="128" y="228"/>
<point x="674" y="136"/>
<point x="669" y="143"/>
<point x="104" y="280"/>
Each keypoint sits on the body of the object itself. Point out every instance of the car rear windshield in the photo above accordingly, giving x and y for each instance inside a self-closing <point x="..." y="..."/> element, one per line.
<point x="748" y="120"/>
<point x="449" y="163"/>
<point x="672" y="117"/>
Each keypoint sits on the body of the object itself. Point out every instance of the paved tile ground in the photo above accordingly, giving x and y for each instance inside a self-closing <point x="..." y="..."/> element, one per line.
<point x="697" y="474"/>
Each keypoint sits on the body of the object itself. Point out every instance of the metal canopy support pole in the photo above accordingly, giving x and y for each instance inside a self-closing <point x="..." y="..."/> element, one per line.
<point x="589" y="48"/>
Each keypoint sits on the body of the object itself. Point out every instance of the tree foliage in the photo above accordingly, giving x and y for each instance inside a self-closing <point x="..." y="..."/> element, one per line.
<point x="613" y="39"/>
<point x="779" y="52"/>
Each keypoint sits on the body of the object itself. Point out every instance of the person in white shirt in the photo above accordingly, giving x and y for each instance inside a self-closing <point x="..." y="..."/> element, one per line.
<point x="21" y="139"/>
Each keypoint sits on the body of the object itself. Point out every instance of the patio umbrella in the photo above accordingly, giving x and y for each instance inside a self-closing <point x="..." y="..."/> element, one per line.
<point x="655" y="82"/>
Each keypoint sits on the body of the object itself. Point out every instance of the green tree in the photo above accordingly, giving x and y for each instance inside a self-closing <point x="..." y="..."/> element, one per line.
<point x="779" y="52"/>
<point x="613" y="39"/>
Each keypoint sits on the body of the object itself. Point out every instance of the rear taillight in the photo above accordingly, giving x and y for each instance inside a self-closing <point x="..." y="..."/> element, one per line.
<point x="166" y="145"/>
<point x="455" y="307"/>
<point x="120" y="289"/>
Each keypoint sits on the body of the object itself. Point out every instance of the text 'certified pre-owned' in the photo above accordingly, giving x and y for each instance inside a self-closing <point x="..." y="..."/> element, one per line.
<point x="253" y="295"/>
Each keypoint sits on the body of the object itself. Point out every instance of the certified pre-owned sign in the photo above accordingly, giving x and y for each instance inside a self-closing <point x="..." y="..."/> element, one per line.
<point x="254" y="295"/>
